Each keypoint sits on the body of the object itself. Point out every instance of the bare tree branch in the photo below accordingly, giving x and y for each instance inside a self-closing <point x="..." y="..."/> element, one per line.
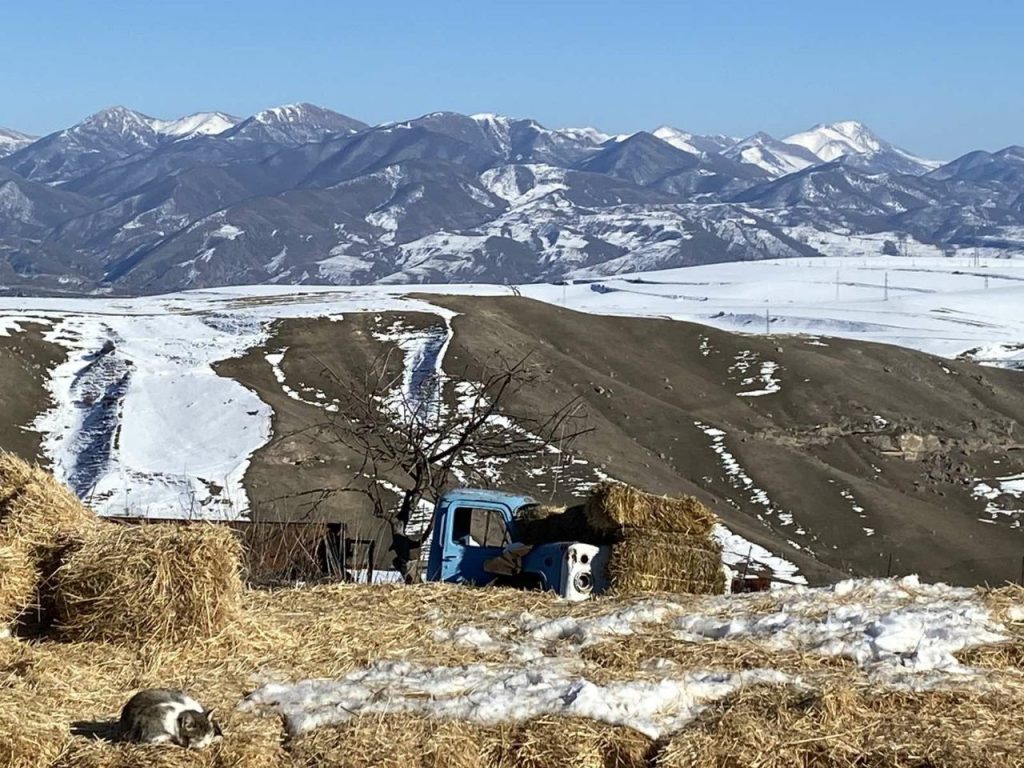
<point x="419" y="441"/>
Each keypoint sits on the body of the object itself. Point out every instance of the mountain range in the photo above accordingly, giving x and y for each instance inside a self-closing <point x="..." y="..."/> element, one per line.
<point x="126" y="203"/>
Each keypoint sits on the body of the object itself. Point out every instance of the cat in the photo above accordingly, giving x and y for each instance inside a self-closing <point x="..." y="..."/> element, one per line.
<point x="167" y="716"/>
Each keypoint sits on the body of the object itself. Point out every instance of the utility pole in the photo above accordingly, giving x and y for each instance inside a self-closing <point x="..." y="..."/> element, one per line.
<point x="886" y="286"/>
<point x="767" y="323"/>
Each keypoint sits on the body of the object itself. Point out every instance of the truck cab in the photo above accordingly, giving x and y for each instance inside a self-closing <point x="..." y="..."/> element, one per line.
<point x="475" y="541"/>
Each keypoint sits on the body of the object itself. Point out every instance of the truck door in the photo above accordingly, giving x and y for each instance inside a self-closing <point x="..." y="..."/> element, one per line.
<point x="476" y="533"/>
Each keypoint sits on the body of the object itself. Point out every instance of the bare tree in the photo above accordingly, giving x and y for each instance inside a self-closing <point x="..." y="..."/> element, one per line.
<point x="416" y="438"/>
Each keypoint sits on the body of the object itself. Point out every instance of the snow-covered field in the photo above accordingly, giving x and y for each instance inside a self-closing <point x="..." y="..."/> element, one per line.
<point x="141" y="423"/>
<point x="897" y="633"/>
<point x="944" y="306"/>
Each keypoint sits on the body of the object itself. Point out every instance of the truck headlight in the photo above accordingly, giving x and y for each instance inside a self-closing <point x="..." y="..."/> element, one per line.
<point x="583" y="581"/>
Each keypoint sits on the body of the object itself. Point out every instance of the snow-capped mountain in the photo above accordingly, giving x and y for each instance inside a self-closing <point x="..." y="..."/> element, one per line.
<point x="11" y="141"/>
<point x="295" y="124"/>
<point x="101" y="138"/>
<point x="593" y="135"/>
<point x="117" y="132"/>
<point x="857" y="144"/>
<point x="692" y="142"/>
<point x="125" y="202"/>
<point x="198" y="124"/>
<point x="776" y="157"/>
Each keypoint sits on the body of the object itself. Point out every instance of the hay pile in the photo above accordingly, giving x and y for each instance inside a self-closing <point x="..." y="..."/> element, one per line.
<point x="658" y="544"/>
<point x="36" y="514"/>
<point x="410" y="741"/>
<point x="849" y="727"/>
<point x="139" y="583"/>
<point x="37" y="511"/>
<point x="832" y="719"/>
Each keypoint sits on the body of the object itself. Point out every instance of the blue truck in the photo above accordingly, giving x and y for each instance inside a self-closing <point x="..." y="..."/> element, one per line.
<point x="476" y="540"/>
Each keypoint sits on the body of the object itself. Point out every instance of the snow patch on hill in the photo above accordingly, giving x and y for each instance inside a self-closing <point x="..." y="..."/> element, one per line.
<point x="142" y="425"/>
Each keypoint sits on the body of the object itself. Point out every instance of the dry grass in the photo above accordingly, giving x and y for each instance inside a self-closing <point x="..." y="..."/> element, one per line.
<point x="842" y="726"/>
<point x="36" y="514"/>
<point x="251" y="742"/>
<point x="323" y="631"/>
<point x="553" y="742"/>
<point x="144" y="583"/>
<point x="396" y="741"/>
<point x="613" y="507"/>
<point x="406" y="741"/>
<point x="651" y="561"/>
<point x="327" y="631"/>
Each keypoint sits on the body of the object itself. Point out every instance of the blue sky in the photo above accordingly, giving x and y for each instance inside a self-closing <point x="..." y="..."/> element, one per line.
<point x="939" y="77"/>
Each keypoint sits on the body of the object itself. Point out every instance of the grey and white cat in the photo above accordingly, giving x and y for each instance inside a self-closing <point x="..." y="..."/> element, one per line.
<point x="167" y="716"/>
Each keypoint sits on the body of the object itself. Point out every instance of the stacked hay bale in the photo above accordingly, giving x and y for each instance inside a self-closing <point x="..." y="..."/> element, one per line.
<point x="37" y="514"/>
<point x="658" y="544"/>
<point x="149" y="583"/>
<point x="106" y="581"/>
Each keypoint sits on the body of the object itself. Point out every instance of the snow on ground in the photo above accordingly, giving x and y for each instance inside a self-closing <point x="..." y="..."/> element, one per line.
<point x="739" y="553"/>
<point x="942" y="305"/>
<point x="900" y="633"/>
<point x="1001" y="493"/>
<point x="739" y="478"/>
<point x="307" y="395"/>
<point x="745" y="361"/>
<point x="886" y="627"/>
<point x="12" y="325"/>
<point x="142" y="424"/>
<point x="490" y="695"/>
<point x="423" y="353"/>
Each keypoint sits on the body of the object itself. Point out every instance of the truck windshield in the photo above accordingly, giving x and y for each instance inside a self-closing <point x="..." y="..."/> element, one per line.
<point x="479" y="527"/>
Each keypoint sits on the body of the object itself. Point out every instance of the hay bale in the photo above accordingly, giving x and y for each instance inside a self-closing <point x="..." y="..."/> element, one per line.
<point x="614" y="508"/>
<point x="37" y="511"/>
<point x="18" y="578"/>
<point x="654" y="561"/>
<point x="141" y="583"/>
<point x="657" y="543"/>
